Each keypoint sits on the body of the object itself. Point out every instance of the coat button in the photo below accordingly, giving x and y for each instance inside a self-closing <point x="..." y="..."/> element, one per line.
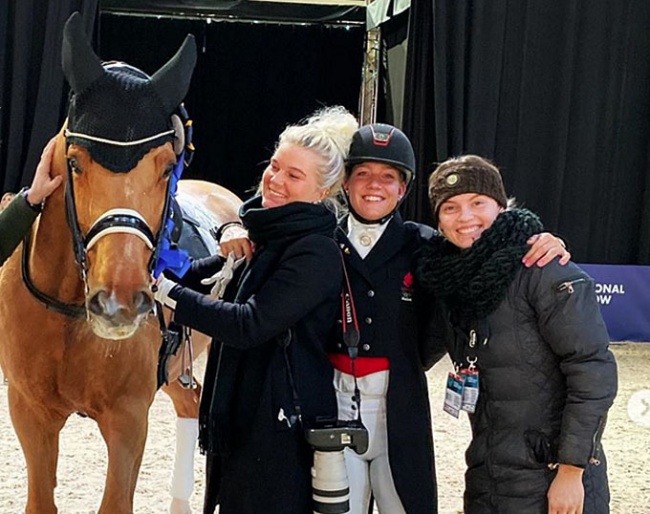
<point x="371" y="293"/>
<point x="368" y="320"/>
<point x="366" y="347"/>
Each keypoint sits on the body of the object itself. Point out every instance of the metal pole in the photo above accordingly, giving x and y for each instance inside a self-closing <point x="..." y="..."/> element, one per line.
<point x="370" y="77"/>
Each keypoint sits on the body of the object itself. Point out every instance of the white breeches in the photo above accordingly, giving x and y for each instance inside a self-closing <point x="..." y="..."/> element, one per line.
<point x="370" y="473"/>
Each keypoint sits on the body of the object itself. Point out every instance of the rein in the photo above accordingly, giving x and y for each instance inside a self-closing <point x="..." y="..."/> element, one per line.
<point x="67" y="309"/>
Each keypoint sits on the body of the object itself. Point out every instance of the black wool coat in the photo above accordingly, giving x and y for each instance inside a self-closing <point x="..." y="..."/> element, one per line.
<point x="395" y="319"/>
<point x="285" y="305"/>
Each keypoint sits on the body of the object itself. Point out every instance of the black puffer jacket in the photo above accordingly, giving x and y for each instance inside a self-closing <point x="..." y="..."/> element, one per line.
<point x="547" y="378"/>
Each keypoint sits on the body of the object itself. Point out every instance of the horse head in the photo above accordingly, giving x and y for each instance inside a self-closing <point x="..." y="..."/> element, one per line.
<point x="119" y="150"/>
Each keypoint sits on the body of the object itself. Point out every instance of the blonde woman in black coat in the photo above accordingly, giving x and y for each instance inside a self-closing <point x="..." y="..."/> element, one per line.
<point x="538" y="343"/>
<point x="268" y="374"/>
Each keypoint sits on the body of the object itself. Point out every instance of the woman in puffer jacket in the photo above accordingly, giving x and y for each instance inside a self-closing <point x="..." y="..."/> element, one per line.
<point x="536" y="341"/>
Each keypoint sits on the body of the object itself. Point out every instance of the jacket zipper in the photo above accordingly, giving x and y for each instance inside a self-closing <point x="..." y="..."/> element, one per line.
<point x="568" y="285"/>
<point x="595" y="442"/>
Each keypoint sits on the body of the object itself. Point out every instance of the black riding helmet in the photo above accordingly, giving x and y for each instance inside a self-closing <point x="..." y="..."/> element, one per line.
<point x="379" y="142"/>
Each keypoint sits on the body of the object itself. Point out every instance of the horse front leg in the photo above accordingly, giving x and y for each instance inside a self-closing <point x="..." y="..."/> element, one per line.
<point x="38" y="432"/>
<point x="186" y="405"/>
<point x="124" y="429"/>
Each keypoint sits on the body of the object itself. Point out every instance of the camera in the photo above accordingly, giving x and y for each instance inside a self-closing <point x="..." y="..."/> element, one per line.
<point x="330" y="485"/>
<point x="334" y="436"/>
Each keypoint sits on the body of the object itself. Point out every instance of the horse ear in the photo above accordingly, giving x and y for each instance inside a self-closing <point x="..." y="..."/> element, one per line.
<point x="172" y="81"/>
<point x="81" y="66"/>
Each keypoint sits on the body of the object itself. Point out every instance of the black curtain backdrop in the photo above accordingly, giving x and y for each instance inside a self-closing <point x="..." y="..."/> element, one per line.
<point x="250" y="81"/>
<point x="556" y="93"/>
<point x="32" y="87"/>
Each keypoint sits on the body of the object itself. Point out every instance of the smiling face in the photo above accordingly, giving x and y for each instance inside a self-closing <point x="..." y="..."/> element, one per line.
<point x="292" y="176"/>
<point x="463" y="218"/>
<point x="374" y="189"/>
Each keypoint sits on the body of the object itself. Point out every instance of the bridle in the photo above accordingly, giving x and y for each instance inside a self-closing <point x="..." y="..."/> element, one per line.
<point x="125" y="221"/>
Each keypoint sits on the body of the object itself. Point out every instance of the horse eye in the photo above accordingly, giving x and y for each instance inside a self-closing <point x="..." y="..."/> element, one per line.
<point x="74" y="165"/>
<point x="168" y="170"/>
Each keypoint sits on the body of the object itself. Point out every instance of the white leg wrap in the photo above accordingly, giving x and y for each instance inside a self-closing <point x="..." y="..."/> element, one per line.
<point x="187" y="433"/>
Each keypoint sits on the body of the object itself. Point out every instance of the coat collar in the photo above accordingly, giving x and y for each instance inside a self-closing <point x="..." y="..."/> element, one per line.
<point x="389" y="244"/>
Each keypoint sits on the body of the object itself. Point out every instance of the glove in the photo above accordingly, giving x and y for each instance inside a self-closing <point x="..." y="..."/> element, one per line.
<point x="161" y="291"/>
<point x="222" y="278"/>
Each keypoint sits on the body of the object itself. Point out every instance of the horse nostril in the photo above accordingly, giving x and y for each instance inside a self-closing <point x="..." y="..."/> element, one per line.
<point x="143" y="303"/>
<point x="115" y="312"/>
<point x="97" y="303"/>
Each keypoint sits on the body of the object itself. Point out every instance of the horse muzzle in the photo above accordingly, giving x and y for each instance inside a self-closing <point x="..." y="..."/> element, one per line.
<point x="112" y="317"/>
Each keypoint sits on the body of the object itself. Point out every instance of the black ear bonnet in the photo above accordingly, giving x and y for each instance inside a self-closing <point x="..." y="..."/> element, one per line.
<point x="117" y="112"/>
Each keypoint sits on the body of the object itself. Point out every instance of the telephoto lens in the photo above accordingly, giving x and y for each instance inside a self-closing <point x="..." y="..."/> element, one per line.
<point x="329" y="483"/>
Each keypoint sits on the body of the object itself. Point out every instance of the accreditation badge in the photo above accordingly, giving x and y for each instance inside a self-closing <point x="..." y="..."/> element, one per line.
<point x="454" y="394"/>
<point x="470" y="389"/>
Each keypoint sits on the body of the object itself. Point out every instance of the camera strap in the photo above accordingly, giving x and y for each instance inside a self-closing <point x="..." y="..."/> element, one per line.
<point x="350" y="338"/>
<point x="350" y="327"/>
<point x="284" y="342"/>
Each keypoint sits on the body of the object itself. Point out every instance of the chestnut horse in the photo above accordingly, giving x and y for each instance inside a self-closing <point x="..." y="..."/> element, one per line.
<point x="83" y="337"/>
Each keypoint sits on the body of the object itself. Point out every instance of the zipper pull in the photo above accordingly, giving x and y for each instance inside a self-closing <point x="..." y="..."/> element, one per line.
<point x="568" y="286"/>
<point x="472" y="338"/>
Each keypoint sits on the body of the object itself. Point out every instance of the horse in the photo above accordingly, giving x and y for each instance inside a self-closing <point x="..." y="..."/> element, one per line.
<point x="81" y="333"/>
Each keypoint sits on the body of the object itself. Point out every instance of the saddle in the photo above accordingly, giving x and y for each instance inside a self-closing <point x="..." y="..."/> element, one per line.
<point x="186" y="233"/>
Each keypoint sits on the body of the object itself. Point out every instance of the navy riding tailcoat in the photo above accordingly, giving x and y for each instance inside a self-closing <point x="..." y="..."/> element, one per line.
<point x="395" y="320"/>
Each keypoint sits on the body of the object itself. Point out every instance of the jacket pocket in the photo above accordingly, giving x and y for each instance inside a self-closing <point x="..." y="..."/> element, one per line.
<point x="539" y="447"/>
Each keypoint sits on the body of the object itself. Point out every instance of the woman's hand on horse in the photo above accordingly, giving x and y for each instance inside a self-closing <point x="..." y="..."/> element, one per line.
<point x="44" y="184"/>
<point x="235" y="239"/>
